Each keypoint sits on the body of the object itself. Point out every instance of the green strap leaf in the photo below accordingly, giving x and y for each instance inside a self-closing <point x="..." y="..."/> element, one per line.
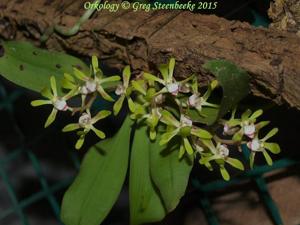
<point x="146" y="205"/>
<point x="234" y="81"/>
<point x="99" y="182"/>
<point x="169" y="173"/>
<point x="31" y="67"/>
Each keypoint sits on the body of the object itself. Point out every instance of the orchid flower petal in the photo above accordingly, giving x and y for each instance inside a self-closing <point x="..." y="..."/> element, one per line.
<point x="71" y="127"/>
<point x="151" y="77"/>
<point x="181" y="151"/>
<point x="126" y="76"/>
<point x="224" y="173"/>
<point x="233" y="122"/>
<point x="104" y="94"/>
<point x="51" y="117"/>
<point x="67" y="84"/>
<point x="171" y="69"/>
<point x="262" y="124"/>
<point x="40" y="102"/>
<point x="71" y="94"/>
<point x="195" y="85"/>
<point x="79" y="74"/>
<point x="47" y="93"/>
<point x="138" y="86"/>
<point x="100" y="115"/>
<point x="188" y="147"/>
<point x="152" y="134"/>
<point x="235" y="163"/>
<point x="131" y="104"/>
<point x="69" y="77"/>
<point x="110" y="79"/>
<point x="272" y="147"/>
<point x="246" y="114"/>
<point x="238" y="135"/>
<point x="268" y="158"/>
<point x="118" y="105"/>
<point x="270" y="134"/>
<point x="53" y="85"/>
<point x="163" y="69"/>
<point x="95" y="64"/>
<point x="99" y="133"/>
<point x="256" y="114"/>
<point x="169" y="119"/>
<point x="166" y="137"/>
<point x="201" y="133"/>
<point x="80" y="142"/>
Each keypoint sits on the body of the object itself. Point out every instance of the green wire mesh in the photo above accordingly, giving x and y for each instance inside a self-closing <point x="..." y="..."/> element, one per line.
<point x="47" y="191"/>
<point x="255" y="175"/>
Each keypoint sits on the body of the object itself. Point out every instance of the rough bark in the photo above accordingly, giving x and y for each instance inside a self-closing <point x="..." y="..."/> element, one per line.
<point x="143" y="39"/>
<point x="286" y="15"/>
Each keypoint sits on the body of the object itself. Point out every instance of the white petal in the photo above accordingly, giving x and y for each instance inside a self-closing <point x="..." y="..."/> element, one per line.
<point x="60" y="105"/>
<point x="84" y="119"/>
<point x="223" y="151"/>
<point x="173" y="88"/>
<point x="120" y="90"/>
<point x="249" y="130"/>
<point x="254" y="145"/>
<point x="84" y="90"/>
<point x="185" y="122"/>
<point x="225" y="129"/>
<point x="193" y="100"/>
<point x="91" y="86"/>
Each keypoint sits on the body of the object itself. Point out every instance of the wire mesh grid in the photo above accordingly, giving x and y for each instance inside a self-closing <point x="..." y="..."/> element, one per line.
<point x="47" y="191"/>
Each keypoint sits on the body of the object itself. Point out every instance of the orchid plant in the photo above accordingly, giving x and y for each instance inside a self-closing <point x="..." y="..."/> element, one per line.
<point x="169" y="125"/>
<point x="154" y="102"/>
